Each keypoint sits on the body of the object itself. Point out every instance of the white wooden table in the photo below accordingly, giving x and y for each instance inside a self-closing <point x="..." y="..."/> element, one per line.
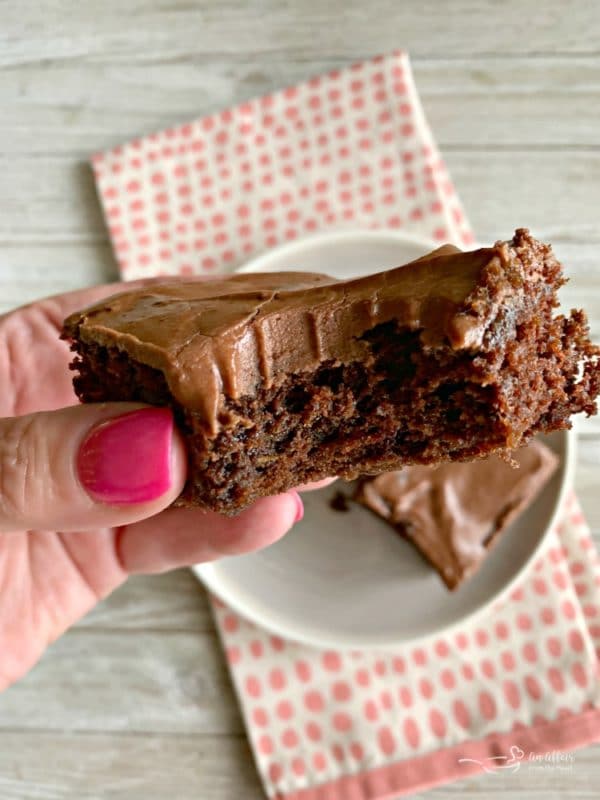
<point x="135" y="701"/>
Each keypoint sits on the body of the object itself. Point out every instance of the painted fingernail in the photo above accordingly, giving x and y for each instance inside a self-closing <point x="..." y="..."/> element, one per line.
<point x="127" y="459"/>
<point x="299" y="506"/>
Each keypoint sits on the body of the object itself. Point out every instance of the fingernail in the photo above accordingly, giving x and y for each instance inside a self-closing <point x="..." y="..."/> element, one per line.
<point x="299" y="506"/>
<point x="128" y="459"/>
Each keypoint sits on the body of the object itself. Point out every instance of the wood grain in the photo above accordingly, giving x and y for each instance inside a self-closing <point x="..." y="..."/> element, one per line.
<point x="52" y="198"/>
<point x="146" y="681"/>
<point x="173" y="601"/>
<point x="135" y="701"/>
<point x="112" y="31"/>
<point x="96" y="766"/>
<point x="513" y="103"/>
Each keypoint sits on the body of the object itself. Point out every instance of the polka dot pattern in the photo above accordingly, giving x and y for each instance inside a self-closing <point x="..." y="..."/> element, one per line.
<point x="386" y="741"/>
<point x="313" y="715"/>
<point x="270" y="169"/>
<point x="351" y="149"/>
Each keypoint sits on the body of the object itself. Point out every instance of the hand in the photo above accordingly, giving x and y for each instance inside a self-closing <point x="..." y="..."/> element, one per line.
<point x="83" y="488"/>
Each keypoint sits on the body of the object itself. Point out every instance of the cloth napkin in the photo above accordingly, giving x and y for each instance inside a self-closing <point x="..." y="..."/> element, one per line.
<point x="353" y="149"/>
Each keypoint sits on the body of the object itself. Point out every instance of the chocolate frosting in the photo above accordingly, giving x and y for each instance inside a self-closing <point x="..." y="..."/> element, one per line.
<point x="229" y="336"/>
<point x="453" y="512"/>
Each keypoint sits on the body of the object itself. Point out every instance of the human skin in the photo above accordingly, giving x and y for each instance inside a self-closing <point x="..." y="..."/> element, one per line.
<point x="68" y="535"/>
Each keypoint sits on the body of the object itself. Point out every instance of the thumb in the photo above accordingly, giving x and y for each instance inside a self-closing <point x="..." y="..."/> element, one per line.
<point x="88" y="466"/>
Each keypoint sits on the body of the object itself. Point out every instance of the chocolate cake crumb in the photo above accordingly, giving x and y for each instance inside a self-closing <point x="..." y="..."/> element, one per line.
<point x="339" y="502"/>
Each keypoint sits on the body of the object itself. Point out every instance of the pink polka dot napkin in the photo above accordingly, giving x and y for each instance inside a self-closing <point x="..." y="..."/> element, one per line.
<point x="352" y="149"/>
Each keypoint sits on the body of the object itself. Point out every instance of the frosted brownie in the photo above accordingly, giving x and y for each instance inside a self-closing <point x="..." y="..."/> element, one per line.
<point x="282" y="378"/>
<point x="454" y="513"/>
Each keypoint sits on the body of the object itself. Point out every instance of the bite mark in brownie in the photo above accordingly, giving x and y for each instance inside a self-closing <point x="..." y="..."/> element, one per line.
<point x="280" y="379"/>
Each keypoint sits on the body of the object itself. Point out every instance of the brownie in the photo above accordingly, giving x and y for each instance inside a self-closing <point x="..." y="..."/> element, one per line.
<point x="282" y="378"/>
<point x="453" y="513"/>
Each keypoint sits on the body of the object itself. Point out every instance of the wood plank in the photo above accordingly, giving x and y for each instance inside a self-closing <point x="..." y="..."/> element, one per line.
<point x="543" y="102"/>
<point x="52" y="198"/>
<point x="78" y="107"/>
<point x="174" y="601"/>
<point x="30" y="271"/>
<point x="555" y="194"/>
<point x="142" y="681"/>
<point x="114" y="30"/>
<point x="38" y="193"/>
<point x="63" y="766"/>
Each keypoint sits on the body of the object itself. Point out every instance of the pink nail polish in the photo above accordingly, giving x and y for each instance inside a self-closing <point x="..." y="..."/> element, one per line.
<point x="127" y="459"/>
<point x="299" y="506"/>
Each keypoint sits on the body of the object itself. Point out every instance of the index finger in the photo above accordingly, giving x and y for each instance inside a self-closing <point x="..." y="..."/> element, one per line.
<point x="180" y="537"/>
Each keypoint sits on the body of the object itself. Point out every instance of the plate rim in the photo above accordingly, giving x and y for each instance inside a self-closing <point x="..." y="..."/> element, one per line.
<point x="256" y="264"/>
<point x="205" y="572"/>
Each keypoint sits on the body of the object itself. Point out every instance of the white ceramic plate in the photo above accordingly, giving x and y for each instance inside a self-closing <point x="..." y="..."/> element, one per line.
<point x="342" y="254"/>
<point x="347" y="580"/>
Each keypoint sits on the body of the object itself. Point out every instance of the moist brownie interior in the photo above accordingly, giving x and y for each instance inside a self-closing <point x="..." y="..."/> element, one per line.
<point x="276" y="380"/>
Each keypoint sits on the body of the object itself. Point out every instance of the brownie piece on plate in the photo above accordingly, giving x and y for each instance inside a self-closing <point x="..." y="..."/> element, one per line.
<point x="453" y="513"/>
<point x="283" y="378"/>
